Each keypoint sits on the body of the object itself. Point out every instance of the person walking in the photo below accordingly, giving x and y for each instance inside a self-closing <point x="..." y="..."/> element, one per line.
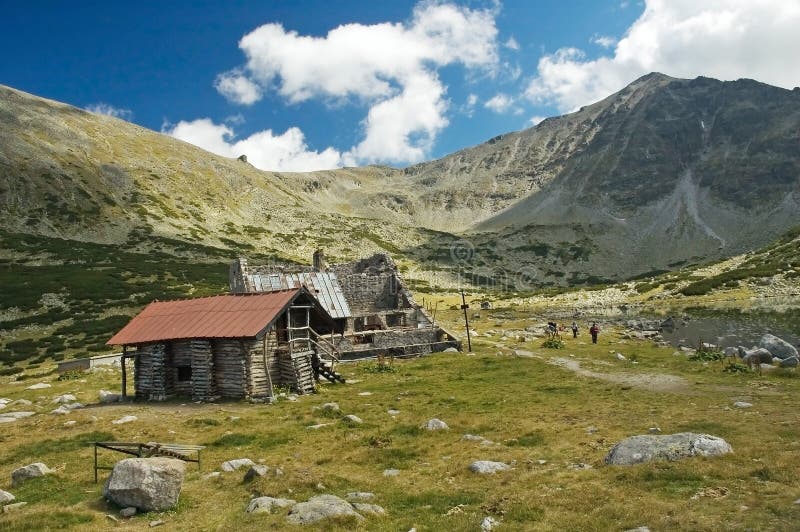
<point x="594" y="331"/>
<point x="574" y="330"/>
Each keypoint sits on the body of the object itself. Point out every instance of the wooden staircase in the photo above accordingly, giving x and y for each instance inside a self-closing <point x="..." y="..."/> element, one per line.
<point x="303" y="339"/>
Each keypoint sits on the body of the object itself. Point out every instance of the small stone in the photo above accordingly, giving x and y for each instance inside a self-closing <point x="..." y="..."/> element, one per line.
<point x="473" y="437"/>
<point x="63" y="399"/>
<point x="392" y="412"/>
<point x="6" y="497"/>
<point x="330" y="407"/>
<point x="108" y="397"/>
<point x="435" y="424"/>
<point x="319" y="426"/>
<point x="112" y="518"/>
<point x="541" y="462"/>
<point x="365" y="394"/>
<point x="261" y="505"/>
<point x="367" y="508"/>
<point x="213" y="474"/>
<point x="234" y="418"/>
<point x="38" y="386"/>
<point x="654" y="430"/>
<point x="638" y="529"/>
<point x="70" y="423"/>
<point x="352" y="419"/>
<point x="742" y="404"/>
<point x="360" y="496"/>
<point x="154" y="524"/>
<point x="391" y="472"/>
<point x="124" y="419"/>
<point x="450" y="350"/>
<point x="592" y="430"/>
<point x="233" y="465"/>
<point x="489" y="523"/>
<point x="61" y="410"/>
<point x="485" y="467"/>
<point x="255" y="472"/>
<point x="579" y="466"/>
<point x="15" y="506"/>
<point x="130" y="511"/>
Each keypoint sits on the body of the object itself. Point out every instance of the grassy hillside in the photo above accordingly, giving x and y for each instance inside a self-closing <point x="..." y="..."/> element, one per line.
<point x="552" y="425"/>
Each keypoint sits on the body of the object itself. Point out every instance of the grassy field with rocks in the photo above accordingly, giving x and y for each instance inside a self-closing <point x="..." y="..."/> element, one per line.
<point x="551" y="414"/>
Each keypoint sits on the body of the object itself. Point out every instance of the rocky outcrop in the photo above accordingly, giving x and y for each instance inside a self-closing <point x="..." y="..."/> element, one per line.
<point x="320" y="508"/>
<point x="38" y="469"/>
<point x="650" y="447"/>
<point x="268" y="504"/>
<point x="148" y="484"/>
<point x="778" y="347"/>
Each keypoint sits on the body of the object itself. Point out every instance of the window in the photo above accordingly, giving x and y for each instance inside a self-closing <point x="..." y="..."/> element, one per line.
<point x="184" y="373"/>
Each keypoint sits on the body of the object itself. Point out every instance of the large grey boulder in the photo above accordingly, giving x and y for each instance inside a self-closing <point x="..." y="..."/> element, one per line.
<point x="756" y="356"/>
<point x="650" y="447"/>
<point x="261" y="505"/>
<point x="148" y="484"/>
<point x="319" y="508"/>
<point x="778" y="347"/>
<point x="790" y="362"/>
<point x="38" y="469"/>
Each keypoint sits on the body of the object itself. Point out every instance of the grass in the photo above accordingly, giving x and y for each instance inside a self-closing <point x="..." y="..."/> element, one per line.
<point x="534" y="411"/>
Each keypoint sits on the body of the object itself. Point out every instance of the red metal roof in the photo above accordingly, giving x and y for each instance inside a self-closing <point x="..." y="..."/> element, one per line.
<point x="226" y="316"/>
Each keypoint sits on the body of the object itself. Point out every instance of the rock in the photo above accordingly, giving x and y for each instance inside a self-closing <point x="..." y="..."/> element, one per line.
<point x="364" y="394"/>
<point x="112" y="518"/>
<point x="451" y="350"/>
<point x="61" y="410"/>
<point x="473" y="437"/>
<point x="20" y="402"/>
<point x="638" y="529"/>
<point x="489" y="523"/>
<point x="523" y="353"/>
<point x="13" y="416"/>
<point x="130" y="511"/>
<point x="790" y="362"/>
<point x="70" y="423"/>
<point x="484" y="467"/>
<point x="580" y="466"/>
<point x="654" y="430"/>
<point x="352" y="419"/>
<point x="38" y="469"/>
<point x="109" y="397"/>
<point x="319" y="426"/>
<point x="124" y="419"/>
<point x="742" y="404"/>
<point x="620" y="356"/>
<point x="256" y="471"/>
<point x="435" y="424"/>
<point x="15" y="506"/>
<point x="360" y="496"/>
<point x="213" y="474"/>
<point x="63" y="399"/>
<point x="592" y="430"/>
<point x="391" y="472"/>
<point x="148" y="484"/>
<point x="731" y="352"/>
<point x="38" y="386"/>
<point x="367" y="508"/>
<point x="156" y="523"/>
<point x="392" y="412"/>
<point x="265" y="505"/>
<point x="778" y="347"/>
<point x="319" y="508"/>
<point x="646" y="448"/>
<point x="330" y="407"/>
<point x="6" y="497"/>
<point x="233" y="465"/>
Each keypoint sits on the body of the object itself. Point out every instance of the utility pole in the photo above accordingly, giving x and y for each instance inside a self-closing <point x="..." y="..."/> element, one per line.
<point x="464" y="306"/>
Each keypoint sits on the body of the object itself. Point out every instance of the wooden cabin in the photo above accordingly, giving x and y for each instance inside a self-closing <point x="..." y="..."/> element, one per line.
<point x="237" y="346"/>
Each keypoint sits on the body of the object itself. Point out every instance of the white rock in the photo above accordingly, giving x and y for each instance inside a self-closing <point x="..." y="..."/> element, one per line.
<point x="124" y="419"/>
<point x="38" y="469"/>
<point x="149" y="484"/>
<point x="620" y="356"/>
<point x="489" y="523"/>
<point x="108" y="397"/>
<point x="233" y="465"/>
<point x="261" y="505"/>
<point x="130" y="511"/>
<point x="38" y="386"/>
<point x="392" y="412"/>
<point x="61" y="410"/>
<point x="213" y="474"/>
<point x="319" y="426"/>
<point x="742" y="404"/>
<point x="365" y="394"/>
<point x="18" y="415"/>
<point x="319" y="508"/>
<point x="360" y="496"/>
<point x="366" y="508"/>
<point x="391" y="472"/>
<point x="330" y="407"/>
<point x="6" y="497"/>
<point x="435" y="424"/>
<point x="63" y="399"/>
<point x="352" y="419"/>
<point x="484" y="467"/>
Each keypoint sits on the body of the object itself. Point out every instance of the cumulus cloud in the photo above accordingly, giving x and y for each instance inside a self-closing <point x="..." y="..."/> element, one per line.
<point x="109" y="110"/>
<point x="511" y="44"/>
<point x="286" y="152"/>
<point x="499" y="103"/>
<point x="389" y="67"/>
<point x="604" y="40"/>
<point x="725" y="39"/>
<point x="237" y="88"/>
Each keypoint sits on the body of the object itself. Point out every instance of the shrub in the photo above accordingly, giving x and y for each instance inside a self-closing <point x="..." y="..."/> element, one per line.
<point x="10" y="371"/>
<point x="553" y="343"/>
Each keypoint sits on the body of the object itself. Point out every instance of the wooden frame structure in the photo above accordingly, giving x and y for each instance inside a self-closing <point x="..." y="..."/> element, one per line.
<point x="147" y="450"/>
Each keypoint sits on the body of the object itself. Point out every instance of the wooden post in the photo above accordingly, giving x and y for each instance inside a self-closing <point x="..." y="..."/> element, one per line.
<point x="124" y="381"/>
<point x="95" y="463"/>
<point x="266" y="369"/>
<point x="464" y="306"/>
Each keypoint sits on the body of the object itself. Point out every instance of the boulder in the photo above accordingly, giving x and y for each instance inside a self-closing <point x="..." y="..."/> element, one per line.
<point x="757" y="355"/>
<point x="647" y="448"/>
<point x="130" y="511"/>
<point x="360" y="496"/>
<point x="265" y="505"/>
<point x="64" y="399"/>
<point x="38" y="469"/>
<point x="731" y="352"/>
<point x="233" y="465"/>
<point x="352" y="419"/>
<point x="778" y="347"/>
<point x="435" y="424"/>
<point x="790" y="362"/>
<point x="256" y="471"/>
<point x="366" y="508"/>
<point x="330" y="407"/>
<point x="108" y="397"/>
<point x="320" y="508"/>
<point x="485" y="467"/>
<point x="6" y="497"/>
<point x="148" y="484"/>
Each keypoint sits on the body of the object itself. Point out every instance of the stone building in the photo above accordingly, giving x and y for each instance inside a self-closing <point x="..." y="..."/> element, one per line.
<point x="367" y="299"/>
<point x="238" y="346"/>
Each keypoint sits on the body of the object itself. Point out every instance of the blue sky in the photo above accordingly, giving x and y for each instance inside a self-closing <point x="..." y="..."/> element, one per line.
<point x="318" y="84"/>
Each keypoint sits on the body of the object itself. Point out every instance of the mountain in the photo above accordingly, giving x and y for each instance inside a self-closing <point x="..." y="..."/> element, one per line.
<point x="664" y="173"/>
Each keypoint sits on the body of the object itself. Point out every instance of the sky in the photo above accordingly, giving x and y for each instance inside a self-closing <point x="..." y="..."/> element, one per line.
<point x="317" y="84"/>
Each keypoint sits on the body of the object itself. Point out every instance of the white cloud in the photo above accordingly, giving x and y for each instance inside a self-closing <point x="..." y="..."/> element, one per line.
<point x="604" y="40"/>
<point x="390" y="67"/>
<point x="511" y="44"/>
<point x="725" y="39"/>
<point x="237" y="88"/>
<point x="499" y="103"/>
<point x="110" y="110"/>
<point x="287" y="152"/>
<point x="535" y="120"/>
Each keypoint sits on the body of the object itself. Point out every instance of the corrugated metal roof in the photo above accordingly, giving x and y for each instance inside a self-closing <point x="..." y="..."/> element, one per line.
<point x="322" y="285"/>
<point x="226" y="316"/>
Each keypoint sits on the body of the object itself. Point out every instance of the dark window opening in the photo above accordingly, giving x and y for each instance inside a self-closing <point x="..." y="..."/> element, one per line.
<point x="184" y="373"/>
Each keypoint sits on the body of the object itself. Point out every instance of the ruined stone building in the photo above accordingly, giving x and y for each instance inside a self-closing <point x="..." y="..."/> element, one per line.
<point x="367" y="299"/>
<point x="239" y="346"/>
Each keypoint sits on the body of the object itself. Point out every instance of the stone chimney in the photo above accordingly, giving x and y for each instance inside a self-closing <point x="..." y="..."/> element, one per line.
<point x="318" y="261"/>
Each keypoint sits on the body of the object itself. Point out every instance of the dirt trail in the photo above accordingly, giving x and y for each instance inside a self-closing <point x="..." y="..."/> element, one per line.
<point x="663" y="383"/>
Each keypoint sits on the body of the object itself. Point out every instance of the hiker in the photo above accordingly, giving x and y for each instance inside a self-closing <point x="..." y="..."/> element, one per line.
<point x="574" y="330"/>
<point x="594" y="331"/>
